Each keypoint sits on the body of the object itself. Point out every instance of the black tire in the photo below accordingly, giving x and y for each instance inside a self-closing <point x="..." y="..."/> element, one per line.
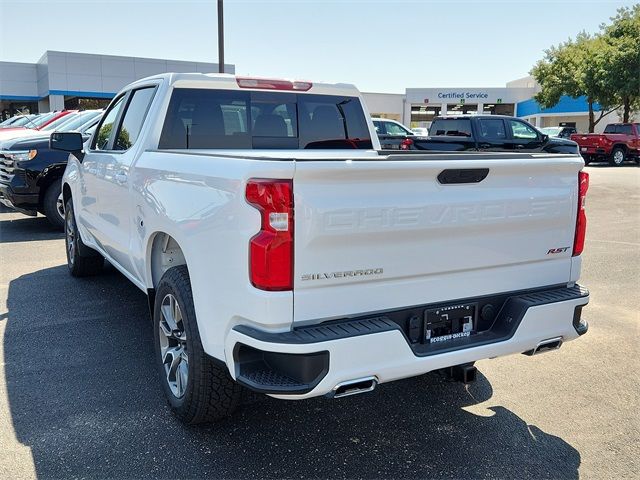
<point x="51" y="207"/>
<point x="82" y="261"/>
<point x="210" y="393"/>
<point x="618" y="156"/>
<point x="587" y="160"/>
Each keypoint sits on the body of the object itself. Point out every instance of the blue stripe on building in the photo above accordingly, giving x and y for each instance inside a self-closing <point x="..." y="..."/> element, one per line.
<point x="74" y="93"/>
<point x="20" y="98"/>
<point x="565" y="105"/>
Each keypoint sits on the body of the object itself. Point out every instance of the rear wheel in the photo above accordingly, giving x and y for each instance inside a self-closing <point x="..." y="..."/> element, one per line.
<point x="82" y="261"/>
<point x="53" y="205"/>
<point x="617" y="157"/>
<point x="198" y="390"/>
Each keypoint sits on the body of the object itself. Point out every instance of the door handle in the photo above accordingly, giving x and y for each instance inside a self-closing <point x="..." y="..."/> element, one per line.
<point x="462" y="175"/>
<point x="121" y="177"/>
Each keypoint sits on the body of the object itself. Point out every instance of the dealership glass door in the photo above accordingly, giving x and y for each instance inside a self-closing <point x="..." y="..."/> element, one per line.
<point x="461" y="108"/>
<point x="423" y="115"/>
<point x="499" y="109"/>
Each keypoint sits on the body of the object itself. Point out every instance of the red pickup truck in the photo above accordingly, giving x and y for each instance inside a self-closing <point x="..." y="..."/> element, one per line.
<point x="618" y="142"/>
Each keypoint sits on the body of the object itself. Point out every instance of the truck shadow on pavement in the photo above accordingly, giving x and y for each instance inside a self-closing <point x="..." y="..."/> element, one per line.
<point x="18" y="228"/>
<point x="85" y="397"/>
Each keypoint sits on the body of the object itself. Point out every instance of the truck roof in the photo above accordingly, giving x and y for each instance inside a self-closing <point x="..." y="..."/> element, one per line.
<point x="228" y="81"/>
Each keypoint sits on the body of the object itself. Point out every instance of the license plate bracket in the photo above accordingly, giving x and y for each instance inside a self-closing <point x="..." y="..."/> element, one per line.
<point x="443" y="324"/>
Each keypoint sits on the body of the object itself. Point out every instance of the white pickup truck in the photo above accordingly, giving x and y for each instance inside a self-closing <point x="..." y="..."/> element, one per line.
<point x="282" y="251"/>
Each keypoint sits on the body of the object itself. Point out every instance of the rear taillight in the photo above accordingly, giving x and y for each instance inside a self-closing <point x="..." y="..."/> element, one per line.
<point x="406" y="144"/>
<point x="581" y="221"/>
<point x="271" y="249"/>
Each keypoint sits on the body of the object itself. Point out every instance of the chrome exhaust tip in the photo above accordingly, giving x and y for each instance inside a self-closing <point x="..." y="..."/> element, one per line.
<point x="354" y="387"/>
<point x="546" y="346"/>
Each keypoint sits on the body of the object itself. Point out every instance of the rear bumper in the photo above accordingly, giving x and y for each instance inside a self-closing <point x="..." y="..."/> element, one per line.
<point x="310" y="361"/>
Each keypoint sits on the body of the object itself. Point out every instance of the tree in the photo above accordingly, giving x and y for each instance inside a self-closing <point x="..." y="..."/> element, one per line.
<point x="622" y="64"/>
<point x="577" y="68"/>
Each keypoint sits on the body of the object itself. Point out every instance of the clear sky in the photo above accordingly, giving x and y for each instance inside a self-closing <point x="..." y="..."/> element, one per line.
<point x="382" y="46"/>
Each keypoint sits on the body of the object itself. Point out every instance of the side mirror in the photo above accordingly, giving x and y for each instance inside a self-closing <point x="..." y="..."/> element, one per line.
<point x="66" y="141"/>
<point x="545" y="138"/>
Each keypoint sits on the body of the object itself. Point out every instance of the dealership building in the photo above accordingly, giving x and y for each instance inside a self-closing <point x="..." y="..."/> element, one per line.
<point x="70" y="80"/>
<point x="418" y="106"/>
<point x="61" y="80"/>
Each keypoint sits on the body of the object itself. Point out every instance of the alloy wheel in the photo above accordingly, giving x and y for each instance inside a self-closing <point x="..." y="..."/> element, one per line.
<point x="60" y="206"/>
<point x="70" y="237"/>
<point x="173" y="345"/>
<point x="618" y="157"/>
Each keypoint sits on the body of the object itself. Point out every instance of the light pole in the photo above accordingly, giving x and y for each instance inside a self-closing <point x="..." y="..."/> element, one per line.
<point x="220" y="38"/>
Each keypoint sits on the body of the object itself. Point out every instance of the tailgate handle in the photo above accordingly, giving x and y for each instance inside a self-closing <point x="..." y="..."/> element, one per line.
<point x="463" y="175"/>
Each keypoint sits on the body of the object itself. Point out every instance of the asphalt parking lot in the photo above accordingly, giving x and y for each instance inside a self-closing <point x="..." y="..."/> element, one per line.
<point x="79" y="396"/>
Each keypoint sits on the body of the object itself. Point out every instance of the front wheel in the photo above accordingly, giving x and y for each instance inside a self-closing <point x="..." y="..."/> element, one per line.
<point x="198" y="390"/>
<point x="82" y="261"/>
<point x="617" y="157"/>
<point x="53" y="205"/>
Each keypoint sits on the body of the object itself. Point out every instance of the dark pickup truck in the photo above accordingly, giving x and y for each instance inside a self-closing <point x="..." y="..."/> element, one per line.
<point x="489" y="133"/>
<point x="30" y="171"/>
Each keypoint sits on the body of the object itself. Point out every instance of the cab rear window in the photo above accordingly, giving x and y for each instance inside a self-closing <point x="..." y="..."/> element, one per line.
<point x="228" y="119"/>
<point x="451" y="127"/>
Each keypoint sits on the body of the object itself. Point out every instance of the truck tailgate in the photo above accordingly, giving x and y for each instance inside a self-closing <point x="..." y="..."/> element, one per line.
<point x="588" y="139"/>
<point x="377" y="235"/>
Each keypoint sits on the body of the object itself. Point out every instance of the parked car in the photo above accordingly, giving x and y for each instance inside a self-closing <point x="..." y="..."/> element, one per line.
<point x="619" y="142"/>
<point x="17" y="121"/>
<point x="489" y="133"/>
<point x="420" y="131"/>
<point x="282" y="251"/>
<point x="30" y="171"/>
<point x="560" y="132"/>
<point x="32" y="124"/>
<point x="392" y="134"/>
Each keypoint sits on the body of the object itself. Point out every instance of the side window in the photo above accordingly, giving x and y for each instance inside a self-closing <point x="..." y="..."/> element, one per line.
<point x="492" y="129"/>
<point x="133" y="118"/>
<point x="101" y="140"/>
<point x="395" y="129"/>
<point x="522" y="131"/>
<point x="626" y="129"/>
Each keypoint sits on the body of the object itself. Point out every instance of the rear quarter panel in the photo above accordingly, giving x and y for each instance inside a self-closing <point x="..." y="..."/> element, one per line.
<point x="200" y="201"/>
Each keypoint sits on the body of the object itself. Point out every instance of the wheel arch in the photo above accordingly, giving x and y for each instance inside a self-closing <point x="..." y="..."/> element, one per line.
<point x="163" y="253"/>
<point x="66" y="192"/>
<point x="619" y="145"/>
<point x="48" y="176"/>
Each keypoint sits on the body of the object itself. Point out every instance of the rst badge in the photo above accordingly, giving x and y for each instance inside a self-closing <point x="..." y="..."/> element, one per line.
<point x="553" y="251"/>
